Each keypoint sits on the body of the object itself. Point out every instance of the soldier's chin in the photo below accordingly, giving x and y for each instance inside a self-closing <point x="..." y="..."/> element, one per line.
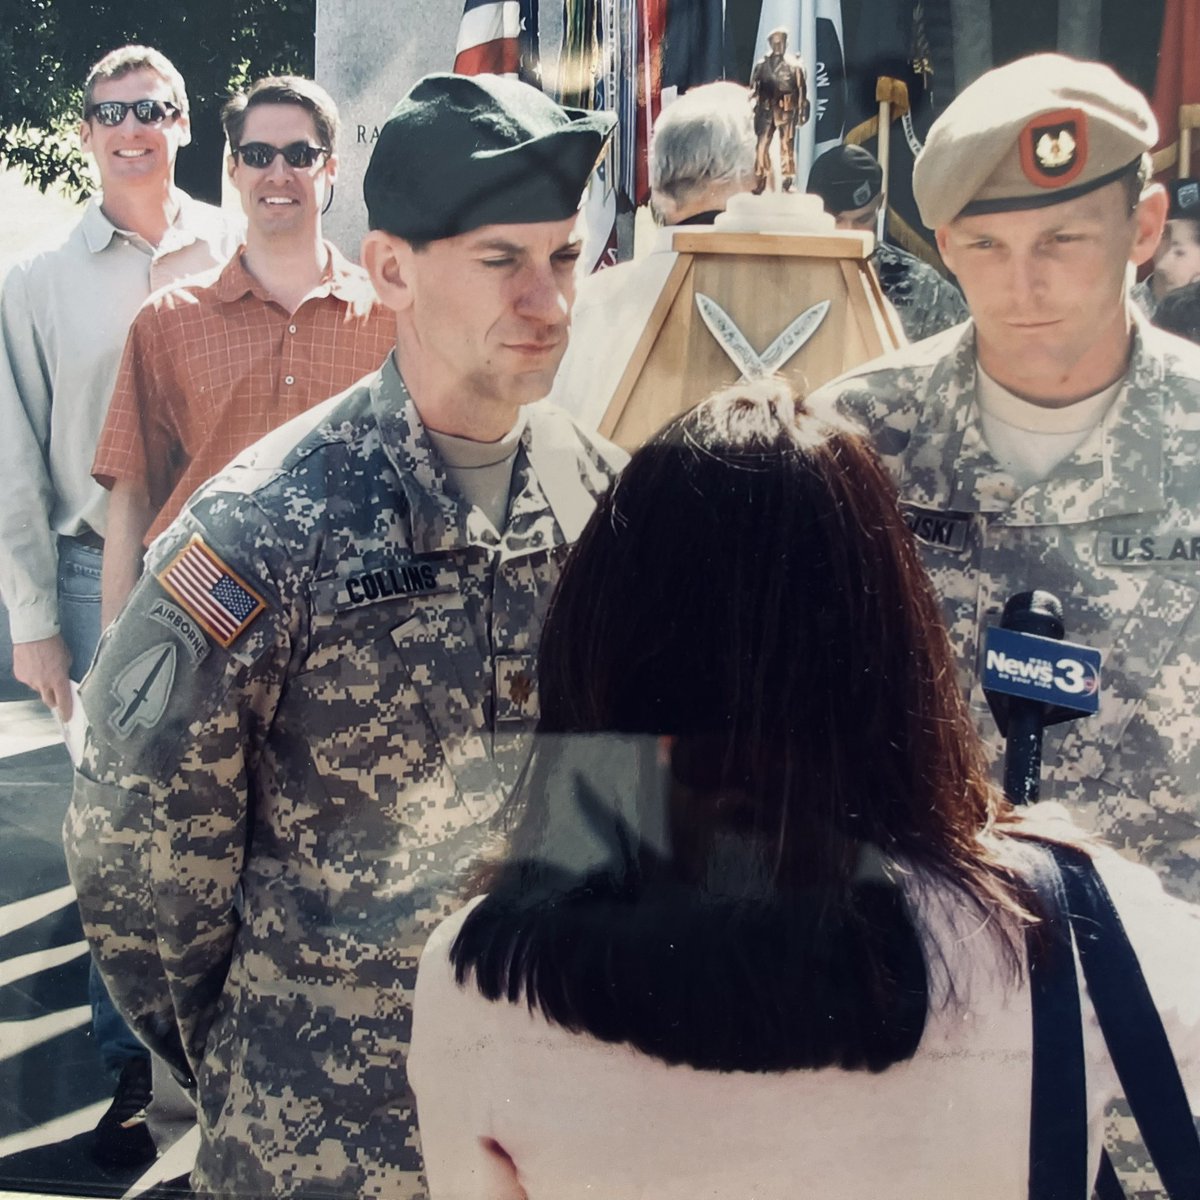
<point x="533" y="386"/>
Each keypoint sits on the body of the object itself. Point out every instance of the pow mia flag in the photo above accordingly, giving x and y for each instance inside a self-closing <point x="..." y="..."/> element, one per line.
<point x="830" y="80"/>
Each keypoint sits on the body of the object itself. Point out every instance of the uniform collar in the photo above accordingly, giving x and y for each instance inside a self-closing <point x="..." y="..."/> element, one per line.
<point x="440" y="522"/>
<point x="1117" y="469"/>
<point x="341" y="279"/>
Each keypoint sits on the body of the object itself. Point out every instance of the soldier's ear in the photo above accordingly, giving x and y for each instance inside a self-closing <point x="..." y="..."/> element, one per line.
<point x="1150" y="216"/>
<point x="388" y="260"/>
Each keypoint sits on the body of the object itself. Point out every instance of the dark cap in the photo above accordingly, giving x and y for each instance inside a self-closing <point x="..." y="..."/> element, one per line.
<point x="846" y="177"/>
<point x="460" y="152"/>
<point x="1185" y="200"/>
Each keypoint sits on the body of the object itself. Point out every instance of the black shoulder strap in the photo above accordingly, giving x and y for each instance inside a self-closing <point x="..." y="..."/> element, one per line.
<point x="1133" y="1030"/>
<point x="1058" y="1147"/>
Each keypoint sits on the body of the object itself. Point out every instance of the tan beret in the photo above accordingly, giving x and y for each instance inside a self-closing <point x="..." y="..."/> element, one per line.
<point x="1036" y="132"/>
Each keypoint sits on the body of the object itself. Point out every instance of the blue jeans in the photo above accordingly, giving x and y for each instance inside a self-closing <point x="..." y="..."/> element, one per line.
<point x="79" y="621"/>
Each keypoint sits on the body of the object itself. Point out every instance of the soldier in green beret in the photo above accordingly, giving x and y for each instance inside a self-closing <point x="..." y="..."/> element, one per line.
<point x="320" y="692"/>
<point x="1054" y="440"/>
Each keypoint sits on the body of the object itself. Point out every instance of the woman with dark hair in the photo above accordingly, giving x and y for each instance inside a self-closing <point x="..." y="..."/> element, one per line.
<point x="761" y="927"/>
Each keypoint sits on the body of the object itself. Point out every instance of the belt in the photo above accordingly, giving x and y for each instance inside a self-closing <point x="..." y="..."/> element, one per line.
<point x="89" y="538"/>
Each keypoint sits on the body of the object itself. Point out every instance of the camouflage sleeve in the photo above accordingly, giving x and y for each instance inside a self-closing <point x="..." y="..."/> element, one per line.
<point x="951" y="305"/>
<point x="178" y="702"/>
<point x="926" y="302"/>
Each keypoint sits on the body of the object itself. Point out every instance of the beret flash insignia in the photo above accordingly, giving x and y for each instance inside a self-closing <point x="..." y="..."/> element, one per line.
<point x="1054" y="147"/>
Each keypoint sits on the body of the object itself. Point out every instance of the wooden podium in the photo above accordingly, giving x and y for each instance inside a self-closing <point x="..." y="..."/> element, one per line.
<point x="749" y="290"/>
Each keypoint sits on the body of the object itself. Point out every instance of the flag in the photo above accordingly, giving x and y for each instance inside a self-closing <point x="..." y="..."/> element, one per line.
<point x="207" y="590"/>
<point x="598" y="70"/>
<point x="651" y="33"/>
<point x="909" y="43"/>
<point x="489" y="38"/>
<point x="1178" y="82"/>
<point x="693" y="44"/>
<point x="743" y="36"/>
<point x="829" y="84"/>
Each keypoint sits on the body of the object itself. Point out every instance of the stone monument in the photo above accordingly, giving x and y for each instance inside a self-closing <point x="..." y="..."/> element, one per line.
<point x="369" y="53"/>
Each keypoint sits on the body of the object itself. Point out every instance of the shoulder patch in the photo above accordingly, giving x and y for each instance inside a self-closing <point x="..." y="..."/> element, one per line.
<point x="142" y="689"/>
<point x="218" y="599"/>
<point x="173" y="618"/>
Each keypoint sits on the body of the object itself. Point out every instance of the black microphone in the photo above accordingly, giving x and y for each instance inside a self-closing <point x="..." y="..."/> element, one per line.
<point x="1032" y="678"/>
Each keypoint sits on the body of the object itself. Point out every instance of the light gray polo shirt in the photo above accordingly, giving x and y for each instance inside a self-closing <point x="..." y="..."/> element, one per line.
<point x="64" y="317"/>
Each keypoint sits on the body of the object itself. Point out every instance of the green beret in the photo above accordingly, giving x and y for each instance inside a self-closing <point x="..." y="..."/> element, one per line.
<point x="846" y="177"/>
<point x="460" y="152"/>
<point x="1036" y="132"/>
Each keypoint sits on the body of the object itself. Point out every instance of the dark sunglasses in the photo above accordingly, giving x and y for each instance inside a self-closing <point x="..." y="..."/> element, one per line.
<point x="149" y="112"/>
<point x="296" y="154"/>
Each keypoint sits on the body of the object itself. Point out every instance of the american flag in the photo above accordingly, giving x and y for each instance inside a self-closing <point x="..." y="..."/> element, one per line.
<point x="211" y="592"/>
<point x="489" y="38"/>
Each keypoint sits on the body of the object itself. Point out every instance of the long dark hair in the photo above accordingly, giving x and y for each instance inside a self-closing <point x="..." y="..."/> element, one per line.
<point x="749" y="598"/>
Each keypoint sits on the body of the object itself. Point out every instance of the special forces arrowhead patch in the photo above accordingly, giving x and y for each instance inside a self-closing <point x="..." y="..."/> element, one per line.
<point x="220" y="601"/>
<point x="143" y="689"/>
<point x="1054" y="147"/>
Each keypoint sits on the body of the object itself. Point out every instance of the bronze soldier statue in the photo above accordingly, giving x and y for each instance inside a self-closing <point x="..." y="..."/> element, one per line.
<point x="780" y="92"/>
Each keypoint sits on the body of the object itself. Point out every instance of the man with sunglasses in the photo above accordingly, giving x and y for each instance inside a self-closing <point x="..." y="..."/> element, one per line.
<point x="321" y="691"/>
<point x="64" y="315"/>
<point x="220" y="360"/>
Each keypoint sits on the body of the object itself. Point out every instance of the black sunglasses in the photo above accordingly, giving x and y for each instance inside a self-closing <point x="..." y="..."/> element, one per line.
<point x="262" y="154"/>
<point x="149" y="112"/>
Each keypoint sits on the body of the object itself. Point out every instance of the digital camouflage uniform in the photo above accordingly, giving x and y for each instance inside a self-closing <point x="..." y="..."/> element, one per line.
<point x="1143" y="296"/>
<point x="1114" y="533"/>
<point x="263" y="835"/>
<point x="925" y="301"/>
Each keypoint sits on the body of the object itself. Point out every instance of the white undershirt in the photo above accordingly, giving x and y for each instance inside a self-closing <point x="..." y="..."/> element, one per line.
<point x="1029" y="440"/>
<point x="481" y="472"/>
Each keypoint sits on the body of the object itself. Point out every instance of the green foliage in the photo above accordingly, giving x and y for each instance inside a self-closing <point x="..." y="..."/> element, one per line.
<point x="47" y="48"/>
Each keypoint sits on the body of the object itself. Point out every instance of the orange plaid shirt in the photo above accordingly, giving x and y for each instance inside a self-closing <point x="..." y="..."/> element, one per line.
<point x="213" y="364"/>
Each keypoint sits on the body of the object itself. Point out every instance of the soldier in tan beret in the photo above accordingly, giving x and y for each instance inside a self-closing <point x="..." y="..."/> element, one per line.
<point x="1054" y="440"/>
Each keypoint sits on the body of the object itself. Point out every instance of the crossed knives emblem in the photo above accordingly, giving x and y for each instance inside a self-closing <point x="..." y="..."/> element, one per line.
<point x="737" y="346"/>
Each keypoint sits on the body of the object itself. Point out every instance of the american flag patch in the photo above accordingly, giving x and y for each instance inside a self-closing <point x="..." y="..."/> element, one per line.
<point x="219" y="600"/>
